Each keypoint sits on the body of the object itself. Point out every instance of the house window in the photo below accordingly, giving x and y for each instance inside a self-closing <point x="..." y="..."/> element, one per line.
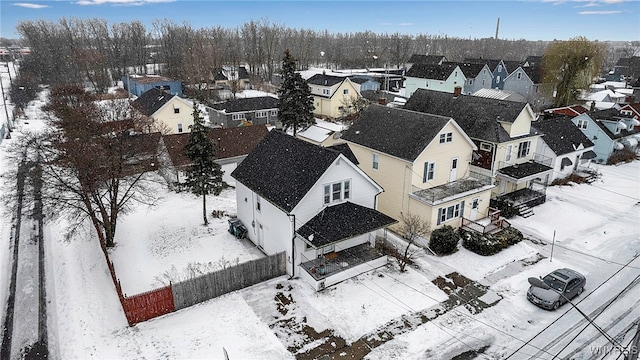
<point x="523" y="149"/>
<point x="482" y="82"/>
<point x="455" y="73"/>
<point x="261" y="114"/>
<point x="258" y="207"/>
<point x="507" y="156"/>
<point x="345" y="92"/>
<point x="498" y="79"/>
<point x="429" y="172"/>
<point x="499" y="69"/>
<point x="237" y="116"/>
<point x="375" y="161"/>
<point x="336" y="192"/>
<point x="274" y="112"/>
<point x="179" y="128"/>
<point x="470" y="81"/>
<point x="446" y="137"/>
<point x="582" y="124"/>
<point x="450" y="212"/>
<point x="519" y="75"/>
<point x="485" y="146"/>
<point x="176" y="110"/>
<point x="326" y="91"/>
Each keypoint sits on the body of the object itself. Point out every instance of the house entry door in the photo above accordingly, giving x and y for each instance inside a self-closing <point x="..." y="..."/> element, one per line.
<point x="453" y="175"/>
<point x="475" y="203"/>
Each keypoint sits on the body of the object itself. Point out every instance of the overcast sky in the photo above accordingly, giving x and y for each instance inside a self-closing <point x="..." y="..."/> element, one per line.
<point x="529" y="19"/>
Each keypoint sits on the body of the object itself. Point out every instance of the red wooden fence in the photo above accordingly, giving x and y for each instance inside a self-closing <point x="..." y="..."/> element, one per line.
<point x="148" y="305"/>
<point x="145" y="306"/>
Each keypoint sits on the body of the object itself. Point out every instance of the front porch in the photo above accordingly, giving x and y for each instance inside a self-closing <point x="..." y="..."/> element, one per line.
<point x="331" y="268"/>
<point x="491" y="224"/>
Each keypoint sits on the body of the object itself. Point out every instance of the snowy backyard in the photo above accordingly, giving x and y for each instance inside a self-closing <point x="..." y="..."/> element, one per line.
<point x="595" y="227"/>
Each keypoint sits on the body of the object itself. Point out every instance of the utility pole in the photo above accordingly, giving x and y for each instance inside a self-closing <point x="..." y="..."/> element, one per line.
<point x="497" y="28"/>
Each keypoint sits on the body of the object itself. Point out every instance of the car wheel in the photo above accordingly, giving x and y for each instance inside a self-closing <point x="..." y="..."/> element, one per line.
<point x="556" y="305"/>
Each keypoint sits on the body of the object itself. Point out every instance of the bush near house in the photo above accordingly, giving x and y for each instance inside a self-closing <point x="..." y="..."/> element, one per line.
<point x="444" y="240"/>
<point x="506" y="208"/>
<point x="490" y="244"/>
<point x="622" y="156"/>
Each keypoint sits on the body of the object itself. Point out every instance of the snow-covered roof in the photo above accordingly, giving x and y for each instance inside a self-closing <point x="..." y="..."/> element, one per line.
<point x="499" y="94"/>
<point x="316" y="133"/>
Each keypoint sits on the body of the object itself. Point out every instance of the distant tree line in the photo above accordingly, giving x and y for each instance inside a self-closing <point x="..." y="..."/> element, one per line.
<point x="73" y="50"/>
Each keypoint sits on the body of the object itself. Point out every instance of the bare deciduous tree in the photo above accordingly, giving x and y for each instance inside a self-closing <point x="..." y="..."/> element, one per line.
<point x="412" y="228"/>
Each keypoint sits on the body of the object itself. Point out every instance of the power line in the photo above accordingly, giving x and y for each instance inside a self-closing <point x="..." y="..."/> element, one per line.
<point x="557" y="319"/>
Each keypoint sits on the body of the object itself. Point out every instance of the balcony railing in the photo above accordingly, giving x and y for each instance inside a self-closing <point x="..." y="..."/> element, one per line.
<point x="332" y="263"/>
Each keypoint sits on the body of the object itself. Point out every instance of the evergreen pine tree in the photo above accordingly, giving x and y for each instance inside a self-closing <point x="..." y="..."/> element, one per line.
<point x="295" y="104"/>
<point x="204" y="175"/>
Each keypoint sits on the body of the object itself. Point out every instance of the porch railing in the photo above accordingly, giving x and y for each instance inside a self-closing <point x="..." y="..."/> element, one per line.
<point x="332" y="263"/>
<point x="495" y="223"/>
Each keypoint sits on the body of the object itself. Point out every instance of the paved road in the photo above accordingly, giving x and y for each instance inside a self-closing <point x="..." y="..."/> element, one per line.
<point x="25" y="325"/>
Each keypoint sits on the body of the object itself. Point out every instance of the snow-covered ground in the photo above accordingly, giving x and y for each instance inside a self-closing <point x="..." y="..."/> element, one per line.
<point x="596" y="228"/>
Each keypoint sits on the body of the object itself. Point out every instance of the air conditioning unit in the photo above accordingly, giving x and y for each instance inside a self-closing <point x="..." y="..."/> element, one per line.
<point x="321" y="285"/>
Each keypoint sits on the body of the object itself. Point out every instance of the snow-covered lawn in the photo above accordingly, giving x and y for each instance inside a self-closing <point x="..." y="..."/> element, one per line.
<point x="168" y="241"/>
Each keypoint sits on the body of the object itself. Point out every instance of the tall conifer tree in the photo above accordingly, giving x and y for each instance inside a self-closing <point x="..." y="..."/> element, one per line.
<point x="204" y="175"/>
<point x="295" y="104"/>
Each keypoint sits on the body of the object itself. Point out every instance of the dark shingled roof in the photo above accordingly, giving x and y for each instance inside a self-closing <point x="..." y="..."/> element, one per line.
<point x="346" y="151"/>
<point x="342" y="221"/>
<point x="325" y="80"/>
<point x="511" y="65"/>
<point x="229" y="143"/>
<point x="477" y="116"/>
<point x="562" y="135"/>
<point x="471" y="70"/>
<point x="151" y="101"/>
<point x="248" y="104"/>
<point x="491" y="63"/>
<point x="429" y="71"/>
<point x="426" y="59"/>
<point x="535" y="73"/>
<point x="610" y="115"/>
<point x="218" y="74"/>
<point x="521" y="171"/>
<point x="401" y="133"/>
<point x="282" y="169"/>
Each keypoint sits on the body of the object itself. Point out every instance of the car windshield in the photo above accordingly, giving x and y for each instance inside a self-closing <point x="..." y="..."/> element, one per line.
<point x="554" y="282"/>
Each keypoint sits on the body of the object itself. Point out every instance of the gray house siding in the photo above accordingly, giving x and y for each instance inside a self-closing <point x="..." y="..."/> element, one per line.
<point x="603" y="143"/>
<point x="226" y="120"/>
<point x="499" y="75"/>
<point x="483" y="80"/>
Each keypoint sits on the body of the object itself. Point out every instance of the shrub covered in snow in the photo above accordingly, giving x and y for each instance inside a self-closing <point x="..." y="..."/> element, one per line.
<point x="490" y="244"/>
<point x="444" y="240"/>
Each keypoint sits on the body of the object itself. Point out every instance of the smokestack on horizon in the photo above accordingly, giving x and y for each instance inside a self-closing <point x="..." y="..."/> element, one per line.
<point x="497" y="28"/>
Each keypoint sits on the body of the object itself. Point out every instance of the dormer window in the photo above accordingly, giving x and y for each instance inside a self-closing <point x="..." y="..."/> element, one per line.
<point x="345" y="92"/>
<point x="582" y="124"/>
<point x="326" y="91"/>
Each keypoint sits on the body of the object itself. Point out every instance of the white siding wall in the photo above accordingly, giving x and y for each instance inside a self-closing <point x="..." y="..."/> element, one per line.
<point x="363" y="192"/>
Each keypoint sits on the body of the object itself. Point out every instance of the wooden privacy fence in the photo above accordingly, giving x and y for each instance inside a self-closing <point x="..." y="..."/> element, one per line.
<point x="145" y="306"/>
<point x="192" y="291"/>
<point x="154" y="303"/>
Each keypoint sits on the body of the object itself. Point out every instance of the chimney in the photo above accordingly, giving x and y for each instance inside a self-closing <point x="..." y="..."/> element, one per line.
<point x="457" y="91"/>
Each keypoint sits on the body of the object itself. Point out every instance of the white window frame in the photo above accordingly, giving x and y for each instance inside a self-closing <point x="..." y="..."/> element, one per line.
<point x="485" y="146"/>
<point x="180" y="128"/>
<point x="274" y="112"/>
<point x="345" y="92"/>
<point x="238" y="116"/>
<point x="582" y="124"/>
<point x="326" y="92"/>
<point x="449" y="213"/>
<point x="336" y="192"/>
<point x="429" y="172"/>
<point x="261" y="114"/>
<point x="507" y="155"/>
<point x="446" y="137"/>
<point x="375" y="161"/>
<point x="525" y="145"/>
